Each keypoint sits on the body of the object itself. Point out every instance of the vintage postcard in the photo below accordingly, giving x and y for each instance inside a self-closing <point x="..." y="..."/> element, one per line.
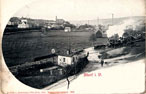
<point x="72" y="46"/>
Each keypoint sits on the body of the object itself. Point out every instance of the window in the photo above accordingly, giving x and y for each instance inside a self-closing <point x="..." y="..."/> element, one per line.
<point x="63" y="59"/>
<point x="73" y="59"/>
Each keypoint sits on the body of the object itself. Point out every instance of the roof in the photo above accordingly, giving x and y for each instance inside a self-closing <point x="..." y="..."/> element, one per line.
<point x="67" y="55"/>
<point x="60" y="19"/>
<point x="50" y="68"/>
<point x="44" y="57"/>
<point x="72" y="53"/>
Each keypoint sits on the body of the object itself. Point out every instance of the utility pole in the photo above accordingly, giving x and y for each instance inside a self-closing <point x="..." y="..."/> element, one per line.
<point x="97" y="21"/>
<point x="112" y="18"/>
<point x="56" y="18"/>
<point x="88" y="22"/>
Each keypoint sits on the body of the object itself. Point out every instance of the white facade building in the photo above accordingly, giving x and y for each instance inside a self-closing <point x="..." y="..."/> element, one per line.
<point x="23" y="24"/>
<point x="67" y="29"/>
<point x="67" y="60"/>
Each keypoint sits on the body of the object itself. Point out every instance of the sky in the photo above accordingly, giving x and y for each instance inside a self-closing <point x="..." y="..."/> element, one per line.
<point x="82" y="9"/>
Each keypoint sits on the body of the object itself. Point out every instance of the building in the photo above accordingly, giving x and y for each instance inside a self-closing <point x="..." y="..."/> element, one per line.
<point x="11" y="25"/>
<point x="67" y="29"/>
<point x="23" y="24"/>
<point x="57" y="26"/>
<point x="60" y="21"/>
<point x="100" y="34"/>
<point x="51" y="22"/>
<point x="101" y="31"/>
<point x="65" y="60"/>
<point x="48" y="26"/>
<point x="51" y="70"/>
<point x="71" y="58"/>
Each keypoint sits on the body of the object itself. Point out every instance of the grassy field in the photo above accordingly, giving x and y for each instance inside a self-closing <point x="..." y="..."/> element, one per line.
<point x="19" y="48"/>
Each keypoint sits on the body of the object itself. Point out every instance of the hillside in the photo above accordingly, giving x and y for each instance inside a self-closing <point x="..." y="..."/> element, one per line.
<point x="107" y="21"/>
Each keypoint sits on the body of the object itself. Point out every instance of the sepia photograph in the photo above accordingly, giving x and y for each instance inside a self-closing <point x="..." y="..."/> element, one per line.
<point x="77" y="46"/>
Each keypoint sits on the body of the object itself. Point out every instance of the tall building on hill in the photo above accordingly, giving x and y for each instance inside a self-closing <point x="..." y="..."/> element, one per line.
<point x="59" y="21"/>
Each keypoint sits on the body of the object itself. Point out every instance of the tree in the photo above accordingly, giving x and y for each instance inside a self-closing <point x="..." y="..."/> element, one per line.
<point x="15" y="20"/>
<point x="67" y="24"/>
<point x="92" y="38"/>
<point x="83" y="27"/>
<point x="125" y="35"/>
<point x="115" y="37"/>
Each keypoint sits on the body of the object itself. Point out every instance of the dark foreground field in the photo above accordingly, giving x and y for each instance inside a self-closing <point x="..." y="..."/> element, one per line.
<point x="19" y="48"/>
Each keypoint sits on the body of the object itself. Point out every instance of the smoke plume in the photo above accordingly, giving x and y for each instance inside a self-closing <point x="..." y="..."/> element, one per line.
<point x="119" y="29"/>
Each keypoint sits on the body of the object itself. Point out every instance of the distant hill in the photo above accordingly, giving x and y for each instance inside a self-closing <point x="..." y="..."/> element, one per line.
<point x="108" y="21"/>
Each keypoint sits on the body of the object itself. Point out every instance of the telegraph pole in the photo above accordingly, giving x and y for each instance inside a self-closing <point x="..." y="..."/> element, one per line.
<point x="97" y="21"/>
<point x="88" y="22"/>
<point x="112" y="18"/>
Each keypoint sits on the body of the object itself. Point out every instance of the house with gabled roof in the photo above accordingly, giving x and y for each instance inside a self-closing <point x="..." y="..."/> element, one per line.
<point x="70" y="58"/>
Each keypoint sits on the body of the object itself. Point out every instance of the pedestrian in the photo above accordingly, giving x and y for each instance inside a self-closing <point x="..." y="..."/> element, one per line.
<point x="101" y="61"/>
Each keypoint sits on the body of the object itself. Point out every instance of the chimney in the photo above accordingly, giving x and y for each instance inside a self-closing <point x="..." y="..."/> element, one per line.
<point x="56" y="18"/>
